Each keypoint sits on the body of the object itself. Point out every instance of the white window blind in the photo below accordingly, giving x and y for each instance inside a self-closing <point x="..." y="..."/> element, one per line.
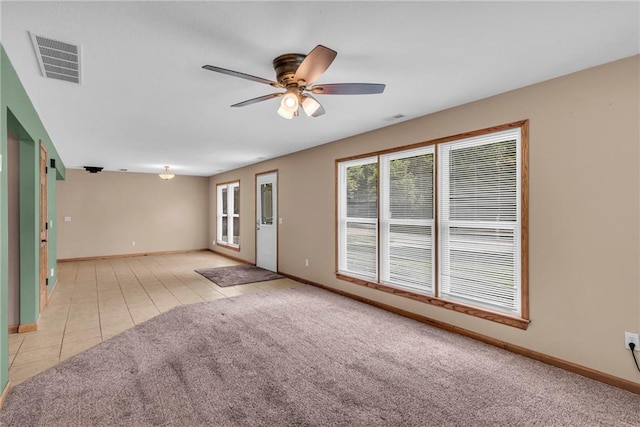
<point x="479" y="221"/>
<point x="358" y="218"/>
<point x="406" y="215"/>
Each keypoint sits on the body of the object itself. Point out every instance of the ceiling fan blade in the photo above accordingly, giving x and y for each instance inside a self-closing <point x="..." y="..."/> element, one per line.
<point x="241" y="75"/>
<point x="258" y="99"/>
<point x="348" y="89"/>
<point x="316" y="63"/>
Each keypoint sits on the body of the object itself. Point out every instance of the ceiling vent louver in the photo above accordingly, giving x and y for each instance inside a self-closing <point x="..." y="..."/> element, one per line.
<point x="57" y="60"/>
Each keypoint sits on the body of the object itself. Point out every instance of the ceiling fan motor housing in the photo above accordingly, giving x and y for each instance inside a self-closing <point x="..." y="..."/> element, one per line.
<point x="286" y="66"/>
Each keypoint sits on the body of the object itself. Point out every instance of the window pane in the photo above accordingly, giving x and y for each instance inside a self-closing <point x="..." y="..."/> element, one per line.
<point x="266" y="203"/>
<point x="410" y="256"/>
<point x="224" y="201"/>
<point x="225" y="228"/>
<point x="483" y="182"/>
<point x="236" y="200"/>
<point x="362" y="191"/>
<point x="236" y="230"/>
<point x="411" y="187"/>
<point x="361" y="253"/>
<point x="479" y="264"/>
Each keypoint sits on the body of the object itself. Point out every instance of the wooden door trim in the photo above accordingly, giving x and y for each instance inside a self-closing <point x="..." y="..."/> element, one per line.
<point x="43" y="251"/>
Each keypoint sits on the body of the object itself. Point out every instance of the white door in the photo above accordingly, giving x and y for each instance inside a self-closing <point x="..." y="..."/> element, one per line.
<point x="267" y="221"/>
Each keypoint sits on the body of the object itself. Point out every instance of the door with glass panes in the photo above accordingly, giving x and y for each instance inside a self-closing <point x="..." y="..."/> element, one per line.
<point x="267" y="221"/>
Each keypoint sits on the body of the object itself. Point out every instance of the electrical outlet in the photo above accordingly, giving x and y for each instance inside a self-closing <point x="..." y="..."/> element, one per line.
<point x="133" y="243"/>
<point x="306" y="263"/>
<point x="630" y="337"/>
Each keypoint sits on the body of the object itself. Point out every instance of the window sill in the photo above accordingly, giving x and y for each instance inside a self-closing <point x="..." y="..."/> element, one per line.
<point x="228" y="246"/>
<point x="504" y="319"/>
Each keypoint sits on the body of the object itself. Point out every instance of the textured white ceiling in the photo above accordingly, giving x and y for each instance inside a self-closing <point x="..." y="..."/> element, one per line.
<point x="146" y="102"/>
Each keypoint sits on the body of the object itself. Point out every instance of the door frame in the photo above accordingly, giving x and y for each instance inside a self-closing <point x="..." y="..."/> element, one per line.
<point x="44" y="231"/>
<point x="276" y="219"/>
<point x="29" y="199"/>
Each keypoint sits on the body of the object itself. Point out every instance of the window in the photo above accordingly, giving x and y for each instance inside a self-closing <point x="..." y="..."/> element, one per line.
<point x="479" y="221"/>
<point x="442" y="223"/>
<point x="407" y="219"/>
<point x="228" y="217"/>
<point x="359" y="219"/>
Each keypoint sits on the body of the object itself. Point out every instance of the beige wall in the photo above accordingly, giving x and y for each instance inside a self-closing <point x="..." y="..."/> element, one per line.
<point x="110" y="210"/>
<point x="584" y="211"/>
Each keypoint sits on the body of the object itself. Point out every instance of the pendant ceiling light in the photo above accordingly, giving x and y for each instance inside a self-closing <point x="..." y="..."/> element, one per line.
<point x="166" y="175"/>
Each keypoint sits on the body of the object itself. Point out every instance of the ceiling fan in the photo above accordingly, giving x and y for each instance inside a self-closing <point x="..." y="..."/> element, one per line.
<point x="296" y="73"/>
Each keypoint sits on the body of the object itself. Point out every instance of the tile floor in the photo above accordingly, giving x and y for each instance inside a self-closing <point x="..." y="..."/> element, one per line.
<point x="95" y="300"/>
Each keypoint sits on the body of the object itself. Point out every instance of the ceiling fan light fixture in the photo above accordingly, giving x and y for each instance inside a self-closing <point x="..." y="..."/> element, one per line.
<point x="166" y="175"/>
<point x="291" y="100"/>
<point x="285" y="112"/>
<point x="309" y="105"/>
<point x="289" y="104"/>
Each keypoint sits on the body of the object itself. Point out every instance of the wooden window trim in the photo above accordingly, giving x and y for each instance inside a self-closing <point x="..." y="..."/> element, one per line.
<point x="494" y="316"/>
<point x="228" y="246"/>
<point x="521" y="322"/>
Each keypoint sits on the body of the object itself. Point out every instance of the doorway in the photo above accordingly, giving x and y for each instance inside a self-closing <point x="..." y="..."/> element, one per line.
<point x="13" y="202"/>
<point x="24" y="199"/>
<point x="267" y="221"/>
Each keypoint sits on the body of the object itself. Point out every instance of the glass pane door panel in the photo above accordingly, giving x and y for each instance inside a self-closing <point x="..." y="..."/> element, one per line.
<point x="266" y="214"/>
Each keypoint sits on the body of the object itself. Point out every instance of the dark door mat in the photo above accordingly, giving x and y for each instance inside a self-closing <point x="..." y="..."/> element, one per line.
<point x="237" y="275"/>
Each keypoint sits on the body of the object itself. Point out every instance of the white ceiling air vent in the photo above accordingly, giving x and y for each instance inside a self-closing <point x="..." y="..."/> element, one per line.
<point x="58" y="60"/>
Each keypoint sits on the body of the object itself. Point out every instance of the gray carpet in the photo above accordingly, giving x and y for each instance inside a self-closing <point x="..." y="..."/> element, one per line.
<point x="306" y="357"/>
<point x="237" y="275"/>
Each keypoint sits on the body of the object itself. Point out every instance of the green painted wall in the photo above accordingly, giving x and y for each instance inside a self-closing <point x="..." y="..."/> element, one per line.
<point x="18" y="116"/>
